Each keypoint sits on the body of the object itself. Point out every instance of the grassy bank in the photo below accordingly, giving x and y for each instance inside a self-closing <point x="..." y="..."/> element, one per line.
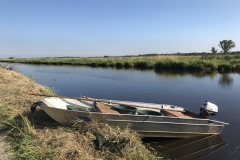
<point x="211" y="62"/>
<point x="37" y="136"/>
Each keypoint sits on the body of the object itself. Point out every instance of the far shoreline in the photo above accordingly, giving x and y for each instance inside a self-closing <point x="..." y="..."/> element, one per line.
<point x="229" y="62"/>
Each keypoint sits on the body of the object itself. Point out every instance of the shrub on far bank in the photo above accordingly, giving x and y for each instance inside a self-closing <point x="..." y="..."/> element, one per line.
<point x="128" y="64"/>
<point x="143" y="64"/>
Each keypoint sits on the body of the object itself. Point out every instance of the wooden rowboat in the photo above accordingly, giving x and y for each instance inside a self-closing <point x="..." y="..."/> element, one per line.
<point x="148" y="119"/>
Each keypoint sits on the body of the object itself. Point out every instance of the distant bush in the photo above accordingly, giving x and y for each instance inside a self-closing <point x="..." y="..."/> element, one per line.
<point x="179" y="65"/>
<point x="235" y="61"/>
<point x="105" y="64"/>
<point x="143" y="64"/>
<point x="119" y="65"/>
<point x="225" y="66"/>
<point x="237" y="56"/>
<point x="237" y="67"/>
<point x="166" y="64"/>
<point x="209" y="65"/>
<point x="196" y="65"/>
<point x="128" y="64"/>
<point x="227" y="57"/>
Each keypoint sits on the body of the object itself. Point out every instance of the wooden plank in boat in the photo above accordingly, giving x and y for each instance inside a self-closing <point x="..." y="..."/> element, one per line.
<point x="105" y="108"/>
<point x="179" y="114"/>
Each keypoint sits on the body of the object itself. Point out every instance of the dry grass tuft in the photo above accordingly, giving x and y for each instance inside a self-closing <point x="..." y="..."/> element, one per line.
<point x="37" y="136"/>
<point x="119" y="143"/>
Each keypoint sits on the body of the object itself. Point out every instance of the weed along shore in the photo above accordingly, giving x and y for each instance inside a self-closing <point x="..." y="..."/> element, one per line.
<point x="230" y="62"/>
<point x="37" y="136"/>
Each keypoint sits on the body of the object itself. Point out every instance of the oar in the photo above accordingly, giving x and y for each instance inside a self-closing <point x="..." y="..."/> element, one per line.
<point x="109" y="102"/>
<point x="44" y="95"/>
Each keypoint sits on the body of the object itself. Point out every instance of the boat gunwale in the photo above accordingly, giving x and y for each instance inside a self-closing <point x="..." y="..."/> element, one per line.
<point x="198" y="133"/>
<point x="113" y="101"/>
<point x="214" y="125"/>
<point x="118" y="101"/>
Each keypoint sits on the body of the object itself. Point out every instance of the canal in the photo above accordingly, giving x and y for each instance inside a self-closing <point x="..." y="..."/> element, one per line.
<point x="188" y="89"/>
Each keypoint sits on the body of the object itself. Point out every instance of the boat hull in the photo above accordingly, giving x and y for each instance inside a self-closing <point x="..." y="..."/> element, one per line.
<point x="145" y="125"/>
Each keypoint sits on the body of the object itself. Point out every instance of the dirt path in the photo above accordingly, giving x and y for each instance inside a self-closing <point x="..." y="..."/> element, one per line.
<point x="4" y="148"/>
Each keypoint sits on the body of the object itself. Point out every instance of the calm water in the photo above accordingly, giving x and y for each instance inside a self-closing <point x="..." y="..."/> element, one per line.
<point x="181" y="88"/>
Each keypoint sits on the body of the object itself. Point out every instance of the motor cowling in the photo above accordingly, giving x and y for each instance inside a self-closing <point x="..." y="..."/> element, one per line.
<point x="208" y="109"/>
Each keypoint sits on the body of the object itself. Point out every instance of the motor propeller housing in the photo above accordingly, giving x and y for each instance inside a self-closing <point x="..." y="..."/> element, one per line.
<point x="208" y="109"/>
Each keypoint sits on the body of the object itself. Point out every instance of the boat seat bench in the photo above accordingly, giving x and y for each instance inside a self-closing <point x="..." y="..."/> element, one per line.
<point x="105" y="108"/>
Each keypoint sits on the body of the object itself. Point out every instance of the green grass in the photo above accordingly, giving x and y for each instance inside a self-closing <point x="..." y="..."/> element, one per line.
<point x="217" y="62"/>
<point x="23" y="138"/>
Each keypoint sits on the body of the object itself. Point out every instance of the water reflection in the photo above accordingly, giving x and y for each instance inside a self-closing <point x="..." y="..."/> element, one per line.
<point x="176" y="73"/>
<point x="189" y="148"/>
<point x="225" y="80"/>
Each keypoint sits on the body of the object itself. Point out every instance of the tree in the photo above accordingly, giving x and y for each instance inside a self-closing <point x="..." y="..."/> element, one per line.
<point x="226" y="45"/>
<point x="214" y="50"/>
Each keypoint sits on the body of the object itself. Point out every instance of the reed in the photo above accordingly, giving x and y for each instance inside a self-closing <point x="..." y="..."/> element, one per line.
<point x="211" y="62"/>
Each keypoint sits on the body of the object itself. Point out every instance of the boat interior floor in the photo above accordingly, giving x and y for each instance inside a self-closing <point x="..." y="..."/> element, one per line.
<point x="186" y="114"/>
<point x="103" y="108"/>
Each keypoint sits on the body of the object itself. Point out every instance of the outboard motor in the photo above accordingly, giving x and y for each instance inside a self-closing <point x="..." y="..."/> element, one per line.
<point x="208" y="109"/>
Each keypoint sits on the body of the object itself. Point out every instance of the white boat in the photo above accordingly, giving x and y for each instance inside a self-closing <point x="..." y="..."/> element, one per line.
<point x="148" y="119"/>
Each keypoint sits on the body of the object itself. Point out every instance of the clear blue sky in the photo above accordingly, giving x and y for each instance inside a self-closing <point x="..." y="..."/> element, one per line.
<point x="39" y="28"/>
